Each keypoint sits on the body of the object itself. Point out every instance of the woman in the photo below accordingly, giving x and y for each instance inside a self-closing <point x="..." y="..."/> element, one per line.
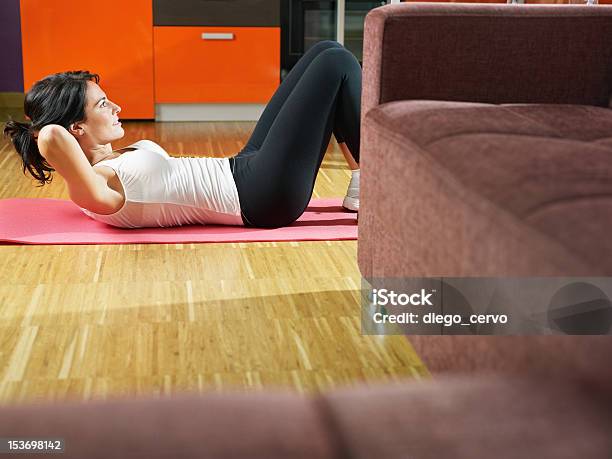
<point x="268" y="184"/>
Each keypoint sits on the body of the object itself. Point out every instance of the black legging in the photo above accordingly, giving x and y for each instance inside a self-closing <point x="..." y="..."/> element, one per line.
<point x="276" y="171"/>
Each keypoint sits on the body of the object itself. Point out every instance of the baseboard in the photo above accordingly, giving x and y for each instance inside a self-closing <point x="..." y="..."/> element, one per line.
<point x="12" y="99"/>
<point x="208" y="112"/>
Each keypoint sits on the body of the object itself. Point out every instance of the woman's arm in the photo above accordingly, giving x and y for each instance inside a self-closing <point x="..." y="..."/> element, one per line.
<point x="86" y="188"/>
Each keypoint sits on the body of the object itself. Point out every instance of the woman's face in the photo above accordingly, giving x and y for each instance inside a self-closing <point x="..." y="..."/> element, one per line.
<point x="102" y="124"/>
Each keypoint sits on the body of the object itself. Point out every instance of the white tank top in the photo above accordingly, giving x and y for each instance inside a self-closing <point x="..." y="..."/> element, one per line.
<point x="161" y="190"/>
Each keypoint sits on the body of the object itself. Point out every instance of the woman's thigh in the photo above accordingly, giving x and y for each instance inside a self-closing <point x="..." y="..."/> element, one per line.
<point x="275" y="184"/>
<point x="281" y="94"/>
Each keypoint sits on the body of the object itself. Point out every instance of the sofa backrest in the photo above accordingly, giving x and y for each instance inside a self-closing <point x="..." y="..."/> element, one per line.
<point x="488" y="53"/>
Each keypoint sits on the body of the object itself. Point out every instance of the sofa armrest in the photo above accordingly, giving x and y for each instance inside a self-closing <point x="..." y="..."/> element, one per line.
<point x="488" y="53"/>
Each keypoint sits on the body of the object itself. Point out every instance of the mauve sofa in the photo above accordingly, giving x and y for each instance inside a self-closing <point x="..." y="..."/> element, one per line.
<point x="452" y="417"/>
<point x="487" y="151"/>
<point x="438" y="198"/>
<point x="486" y="141"/>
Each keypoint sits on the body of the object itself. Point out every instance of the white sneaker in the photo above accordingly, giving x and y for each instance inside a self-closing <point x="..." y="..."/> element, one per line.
<point x="351" y="200"/>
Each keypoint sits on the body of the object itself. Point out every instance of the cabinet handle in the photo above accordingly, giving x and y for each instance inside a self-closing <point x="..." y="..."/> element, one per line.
<point x="217" y="36"/>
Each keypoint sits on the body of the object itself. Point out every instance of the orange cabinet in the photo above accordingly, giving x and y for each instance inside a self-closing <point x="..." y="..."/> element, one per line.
<point x="113" y="38"/>
<point x="216" y="64"/>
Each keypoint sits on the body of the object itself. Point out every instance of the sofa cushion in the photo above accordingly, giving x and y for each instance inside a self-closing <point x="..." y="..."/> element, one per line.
<point x="547" y="166"/>
<point x="473" y="418"/>
<point x="262" y="425"/>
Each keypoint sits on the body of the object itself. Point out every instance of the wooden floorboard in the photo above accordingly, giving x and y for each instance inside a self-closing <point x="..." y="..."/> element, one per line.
<point x="95" y="321"/>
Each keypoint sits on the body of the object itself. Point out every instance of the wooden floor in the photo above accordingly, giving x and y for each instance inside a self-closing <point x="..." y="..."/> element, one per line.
<point x="96" y="321"/>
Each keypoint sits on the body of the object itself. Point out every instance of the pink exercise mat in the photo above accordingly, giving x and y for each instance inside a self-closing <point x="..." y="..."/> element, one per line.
<point x="58" y="221"/>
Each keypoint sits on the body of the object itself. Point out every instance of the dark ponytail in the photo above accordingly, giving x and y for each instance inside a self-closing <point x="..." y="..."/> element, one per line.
<point x="23" y="140"/>
<point x="56" y="99"/>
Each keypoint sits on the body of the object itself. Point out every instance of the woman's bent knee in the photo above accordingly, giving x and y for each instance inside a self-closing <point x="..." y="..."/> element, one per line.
<point x="328" y="44"/>
<point x="340" y="58"/>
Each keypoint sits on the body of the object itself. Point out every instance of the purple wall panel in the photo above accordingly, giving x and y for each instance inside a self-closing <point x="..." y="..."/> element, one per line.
<point x="11" y="66"/>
